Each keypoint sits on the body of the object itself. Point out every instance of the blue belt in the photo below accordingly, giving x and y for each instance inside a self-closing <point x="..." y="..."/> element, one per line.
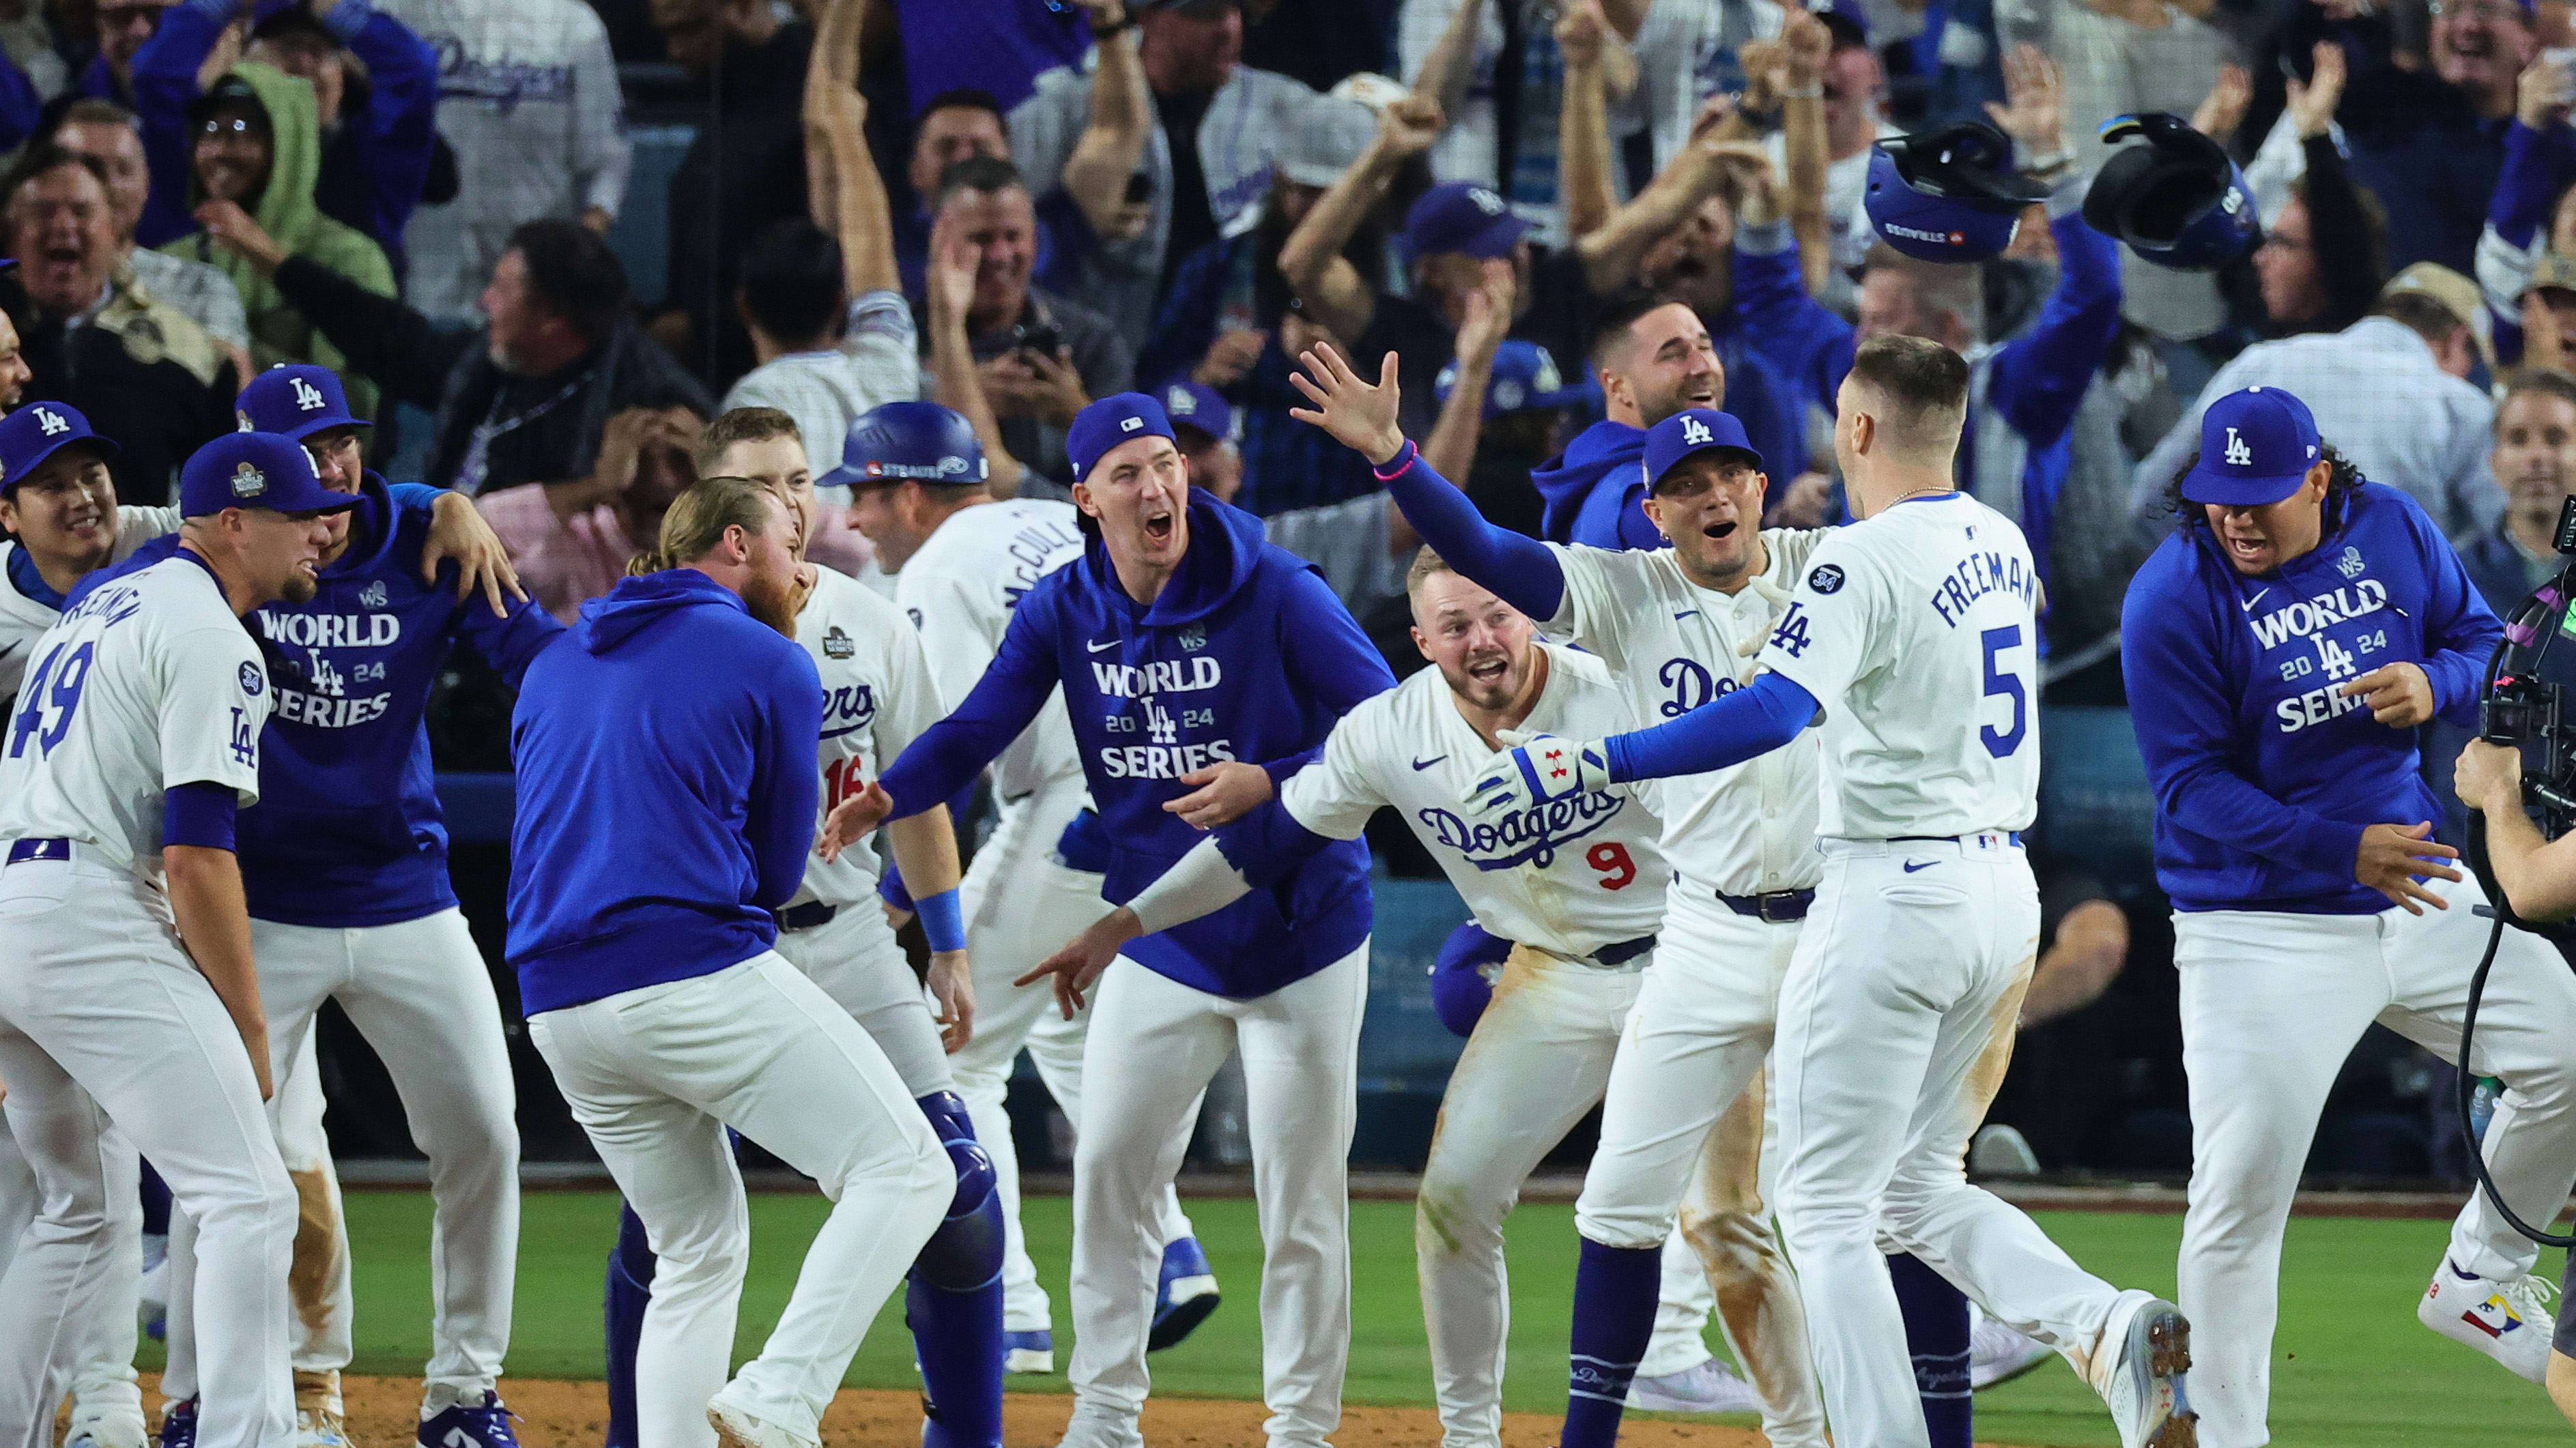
<point x="1624" y="951"/>
<point x="1777" y="908"/>
<point x="22" y="851"/>
<point x="806" y="916"/>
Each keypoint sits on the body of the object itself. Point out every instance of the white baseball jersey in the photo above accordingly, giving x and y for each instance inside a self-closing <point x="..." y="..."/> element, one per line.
<point x="150" y="681"/>
<point x="877" y="694"/>
<point x="1569" y="876"/>
<point x="23" y="620"/>
<point x="1673" y="645"/>
<point x="1917" y="631"/>
<point x="959" y="590"/>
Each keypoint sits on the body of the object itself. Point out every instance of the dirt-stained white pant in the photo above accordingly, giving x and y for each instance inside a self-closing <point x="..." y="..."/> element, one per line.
<point x="1153" y="1047"/>
<point x="1912" y="963"/>
<point x="104" y="1018"/>
<point x="2272" y="1003"/>
<point x="1021" y="906"/>
<point x="1681" y="1140"/>
<point x="654" y="1076"/>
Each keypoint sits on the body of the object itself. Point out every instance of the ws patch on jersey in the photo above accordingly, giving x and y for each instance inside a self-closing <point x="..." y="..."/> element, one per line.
<point x="251" y="681"/>
<point x="1825" y="578"/>
<point x="839" y="645"/>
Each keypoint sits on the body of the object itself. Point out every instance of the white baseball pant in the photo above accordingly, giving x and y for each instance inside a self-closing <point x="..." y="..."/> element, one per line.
<point x="1681" y="1140"/>
<point x="1538" y="1060"/>
<point x="2272" y="1003"/>
<point x="106" y="1402"/>
<point x="655" y="1076"/>
<point x="103" y="1018"/>
<point x="1020" y="907"/>
<point x="1154" y="1044"/>
<point x="855" y="958"/>
<point x="419" y="993"/>
<point x="1912" y="963"/>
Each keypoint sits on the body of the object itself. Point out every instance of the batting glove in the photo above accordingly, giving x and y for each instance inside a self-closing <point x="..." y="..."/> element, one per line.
<point x="1535" y="769"/>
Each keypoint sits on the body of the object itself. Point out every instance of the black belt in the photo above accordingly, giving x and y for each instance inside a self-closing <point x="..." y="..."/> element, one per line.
<point x="1779" y="907"/>
<point x="806" y="916"/>
<point x="22" y="851"/>
<point x="1624" y="951"/>
<point x="2012" y="835"/>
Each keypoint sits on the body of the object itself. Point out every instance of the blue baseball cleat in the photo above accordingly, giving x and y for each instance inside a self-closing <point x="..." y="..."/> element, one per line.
<point x="179" y="1425"/>
<point x="465" y="1423"/>
<point x="1186" y="1296"/>
<point x="1028" y="1352"/>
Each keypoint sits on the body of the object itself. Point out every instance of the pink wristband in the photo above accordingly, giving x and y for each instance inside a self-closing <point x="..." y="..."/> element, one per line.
<point x="1395" y="466"/>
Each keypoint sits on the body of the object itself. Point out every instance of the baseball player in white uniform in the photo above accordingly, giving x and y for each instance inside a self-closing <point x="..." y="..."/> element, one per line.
<point x="1911" y="637"/>
<point x="1676" y="634"/>
<point x="138" y="740"/>
<point x="961" y="561"/>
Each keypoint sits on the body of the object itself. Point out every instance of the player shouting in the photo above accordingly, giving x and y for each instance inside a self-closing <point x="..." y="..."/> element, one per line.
<point x="126" y="989"/>
<point x="1676" y="627"/>
<point x="1185" y="642"/>
<point x="1911" y="638"/>
<point x="2281" y="648"/>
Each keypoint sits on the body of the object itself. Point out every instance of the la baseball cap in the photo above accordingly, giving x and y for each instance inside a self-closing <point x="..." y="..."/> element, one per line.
<point x="1693" y="430"/>
<point x="1187" y="403"/>
<point x="295" y="400"/>
<point x="255" y="470"/>
<point x="1119" y="417"/>
<point x="1524" y="376"/>
<point x="36" y="432"/>
<point x="2256" y="447"/>
<point x="1462" y="216"/>
<point x="900" y="442"/>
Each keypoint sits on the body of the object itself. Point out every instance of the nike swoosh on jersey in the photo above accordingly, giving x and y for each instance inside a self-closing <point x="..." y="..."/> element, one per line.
<point x="1694" y="613"/>
<point x="7" y="650"/>
<point x="1095" y="648"/>
<point x="2248" y="604"/>
<point x="1422" y="764"/>
<point x="1911" y="866"/>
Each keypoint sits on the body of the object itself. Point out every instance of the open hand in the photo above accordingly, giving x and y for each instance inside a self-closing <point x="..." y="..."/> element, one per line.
<point x="2223" y="109"/>
<point x="2391" y="856"/>
<point x="1357" y="415"/>
<point x="457" y="531"/>
<point x="2312" y="102"/>
<point x="1076" y="967"/>
<point x="951" y="981"/>
<point x="1223" y="793"/>
<point x="2034" y="109"/>
<point x="855" y="818"/>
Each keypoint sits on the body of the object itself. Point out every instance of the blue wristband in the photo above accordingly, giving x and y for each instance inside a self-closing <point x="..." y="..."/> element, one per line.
<point x="941" y="923"/>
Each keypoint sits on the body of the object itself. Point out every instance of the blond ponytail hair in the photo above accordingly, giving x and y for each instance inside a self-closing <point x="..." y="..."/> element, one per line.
<point x="698" y="518"/>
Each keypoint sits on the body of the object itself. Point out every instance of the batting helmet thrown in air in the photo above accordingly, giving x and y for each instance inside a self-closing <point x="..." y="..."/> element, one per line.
<point x="1949" y="195"/>
<point x="899" y="442"/>
<point x="2178" y="201"/>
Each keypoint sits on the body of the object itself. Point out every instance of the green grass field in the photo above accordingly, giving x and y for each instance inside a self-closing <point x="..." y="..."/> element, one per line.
<point x="2355" y="1372"/>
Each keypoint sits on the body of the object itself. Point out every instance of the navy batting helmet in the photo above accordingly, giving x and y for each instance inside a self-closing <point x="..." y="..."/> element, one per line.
<point x="2178" y="201"/>
<point x="1948" y="195"/>
<point x="908" y="442"/>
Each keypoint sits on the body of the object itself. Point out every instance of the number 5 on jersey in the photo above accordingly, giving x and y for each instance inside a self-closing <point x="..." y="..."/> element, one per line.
<point x="2003" y="682"/>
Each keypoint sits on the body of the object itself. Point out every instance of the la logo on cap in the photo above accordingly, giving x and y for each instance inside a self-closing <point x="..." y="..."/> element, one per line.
<point x="1695" y="432"/>
<point x="1130" y="424"/>
<point x="1486" y="201"/>
<point x="243" y="418"/>
<point x="307" y="396"/>
<point x="1179" y="400"/>
<point x="2238" y="454"/>
<point x="51" y="421"/>
<point x="249" y="482"/>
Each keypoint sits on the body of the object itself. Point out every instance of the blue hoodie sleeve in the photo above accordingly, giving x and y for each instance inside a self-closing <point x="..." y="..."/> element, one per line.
<point x="1267" y="844"/>
<point x="946" y="757"/>
<point x="401" y="118"/>
<point x="20" y="107"/>
<point x="1328" y="658"/>
<point x="508" y="644"/>
<point x="2460" y="632"/>
<point x="1800" y="335"/>
<point x="2039" y="377"/>
<point x="2180" y="703"/>
<point x="785" y="790"/>
<point x="1520" y="571"/>
<point x="165" y="81"/>
<point x="1739" y="725"/>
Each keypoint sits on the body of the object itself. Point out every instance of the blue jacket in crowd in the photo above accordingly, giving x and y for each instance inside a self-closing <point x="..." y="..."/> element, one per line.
<point x="1245" y="655"/>
<point x="2264" y="773"/>
<point x="348" y="831"/>
<point x="665" y="757"/>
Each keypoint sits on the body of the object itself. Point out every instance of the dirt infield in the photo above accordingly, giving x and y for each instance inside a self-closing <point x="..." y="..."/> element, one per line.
<point x="382" y="1412"/>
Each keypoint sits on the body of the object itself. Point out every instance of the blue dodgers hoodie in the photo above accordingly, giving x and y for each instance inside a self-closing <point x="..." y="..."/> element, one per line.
<point x="1244" y="655"/>
<point x="1585" y="490"/>
<point x="665" y="755"/>
<point x="2264" y="773"/>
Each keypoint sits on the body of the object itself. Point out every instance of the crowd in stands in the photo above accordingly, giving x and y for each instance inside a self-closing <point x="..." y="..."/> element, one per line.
<point x="1016" y="206"/>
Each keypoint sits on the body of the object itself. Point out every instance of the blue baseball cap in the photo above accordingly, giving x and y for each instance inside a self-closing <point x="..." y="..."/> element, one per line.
<point x="255" y="470"/>
<point x="36" y="432"/>
<point x="899" y="442"/>
<point x="1464" y="217"/>
<point x="1195" y="404"/>
<point x="1119" y="417"/>
<point x="1693" y="430"/>
<point x="1524" y="376"/>
<point x="295" y="400"/>
<point x="2256" y="447"/>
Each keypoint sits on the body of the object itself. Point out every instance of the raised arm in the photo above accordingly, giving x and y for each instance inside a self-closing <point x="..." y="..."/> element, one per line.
<point x="1113" y="138"/>
<point x="950" y="285"/>
<point x="1805" y="45"/>
<point x="1800" y="336"/>
<point x="947" y="757"/>
<point x="835" y="117"/>
<point x="2336" y="220"/>
<point x="1521" y="571"/>
<point x="1583" y="122"/>
<point x="1451" y="448"/>
<point x="1610" y="255"/>
<point x="1311" y="260"/>
<point x="395" y="347"/>
<point x="402" y="112"/>
<point x="1446" y="70"/>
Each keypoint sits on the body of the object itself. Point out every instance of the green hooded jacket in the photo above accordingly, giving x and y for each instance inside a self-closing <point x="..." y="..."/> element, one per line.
<point x="286" y="211"/>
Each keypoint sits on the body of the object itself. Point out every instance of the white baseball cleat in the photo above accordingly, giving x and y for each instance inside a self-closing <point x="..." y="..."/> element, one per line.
<point x="118" y="1427"/>
<point x="1028" y="1352"/>
<point x="1707" y="1388"/>
<point x="2145" y="1350"/>
<point x="737" y="1426"/>
<point x="320" y="1419"/>
<point x="1091" y="1428"/>
<point x="1999" y="1354"/>
<point x="2508" y="1319"/>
